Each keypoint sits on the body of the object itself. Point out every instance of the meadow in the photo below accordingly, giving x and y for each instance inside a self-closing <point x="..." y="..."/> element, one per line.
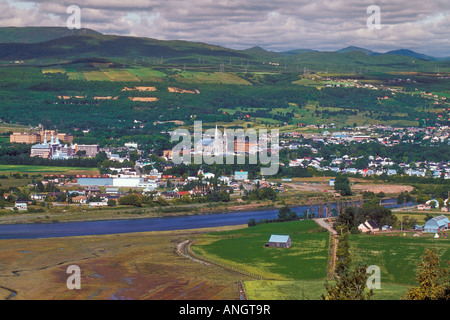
<point x="299" y="273"/>
<point x="395" y="254"/>
<point x="305" y="260"/>
<point x="47" y="169"/>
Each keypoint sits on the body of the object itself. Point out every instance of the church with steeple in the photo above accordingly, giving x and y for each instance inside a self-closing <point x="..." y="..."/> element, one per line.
<point x="52" y="149"/>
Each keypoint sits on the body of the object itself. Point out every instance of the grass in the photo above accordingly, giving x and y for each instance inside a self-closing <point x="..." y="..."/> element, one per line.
<point x="120" y="75"/>
<point x="47" y="169"/>
<point x="211" y="77"/>
<point x="310" y="290"/>
<point x="395" y="254"/>
<point x="284" y="290"/>
<point x="96" y="76"/>
<point x="305" y="260"/>
<point x="146" y="74"/>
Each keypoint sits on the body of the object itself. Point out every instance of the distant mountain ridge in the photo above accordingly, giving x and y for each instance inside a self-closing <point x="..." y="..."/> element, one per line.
<point x="54" y="44"/>
<point x="398" y="52"/>
<point x="39" y="34"/>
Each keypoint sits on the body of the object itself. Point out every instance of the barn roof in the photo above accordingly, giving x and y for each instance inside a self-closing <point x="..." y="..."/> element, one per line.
<point x="279" y="238"/>
<point x="439" y="221"/>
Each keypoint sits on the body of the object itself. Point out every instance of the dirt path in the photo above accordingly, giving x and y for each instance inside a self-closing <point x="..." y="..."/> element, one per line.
<point x="334" y="237"/>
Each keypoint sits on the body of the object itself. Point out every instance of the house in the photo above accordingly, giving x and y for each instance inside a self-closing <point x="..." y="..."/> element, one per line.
<point x="21" y="205"/>
<point x="241" y="175"/>
<point x="38" y="196"/>
<point x="184" y="193"/>
<point x="437" y="224"/>
<point x="208" y="175"/>
<point x="423" y="207"/>
<point x="368" y="226"/>
<point x="280" y="241"/>
<point x="112" y="190"/>
<point x="170" y="194"/>
<point x="92" y="189"/>
<point x="79" y="199"/>
<point x="98" y="204"/>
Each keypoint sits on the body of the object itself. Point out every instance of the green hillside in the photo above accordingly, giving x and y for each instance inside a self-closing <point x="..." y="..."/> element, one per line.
<point x="52" y="45"/>
<point x="38" y="34"/>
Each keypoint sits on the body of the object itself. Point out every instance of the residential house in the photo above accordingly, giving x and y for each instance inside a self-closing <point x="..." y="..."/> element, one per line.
<point x="369" y="226"/>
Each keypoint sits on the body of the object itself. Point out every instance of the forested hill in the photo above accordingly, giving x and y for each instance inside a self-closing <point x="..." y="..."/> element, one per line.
<point x="38" y="34"/>
<point x="53" y="45"/>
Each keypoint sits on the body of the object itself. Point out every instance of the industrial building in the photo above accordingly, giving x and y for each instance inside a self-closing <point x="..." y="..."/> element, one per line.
<point x="437" y="224"/>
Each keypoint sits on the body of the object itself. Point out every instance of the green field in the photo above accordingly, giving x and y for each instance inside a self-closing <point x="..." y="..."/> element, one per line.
<point x="310" y="290"/>
<point x="299" y="273"/>
<point x="120" y="75"/>
<point x="46" y="169"/>
<point x="396" y="255"/>
<point x="146" y="74"/>
<point x="305" y="260"/>
<point x="211" y="77"/>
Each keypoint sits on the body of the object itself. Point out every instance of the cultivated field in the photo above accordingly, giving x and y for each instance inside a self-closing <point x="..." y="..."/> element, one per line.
<point x="47" y="169"/>
<point x="396" y="254"/>
<point x="305" y="260"/>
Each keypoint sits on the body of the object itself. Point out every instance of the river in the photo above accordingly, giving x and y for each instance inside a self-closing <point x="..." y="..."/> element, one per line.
<point x="84" y="228"/>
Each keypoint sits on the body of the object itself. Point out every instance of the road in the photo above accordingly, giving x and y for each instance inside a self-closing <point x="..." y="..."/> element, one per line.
<point x="323" y="223"/>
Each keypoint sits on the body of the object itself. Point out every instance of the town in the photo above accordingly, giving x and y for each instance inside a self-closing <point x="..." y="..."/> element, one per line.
<point x="125" y="177"/>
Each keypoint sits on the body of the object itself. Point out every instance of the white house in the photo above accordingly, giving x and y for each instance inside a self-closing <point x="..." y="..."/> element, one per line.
<point x="368" y="226"/>
<point x="21" y="205"/>
<point x="98" y="204"/>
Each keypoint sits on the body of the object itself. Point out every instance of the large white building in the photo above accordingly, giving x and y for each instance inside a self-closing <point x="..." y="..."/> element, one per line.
<point x="52" y="149"/>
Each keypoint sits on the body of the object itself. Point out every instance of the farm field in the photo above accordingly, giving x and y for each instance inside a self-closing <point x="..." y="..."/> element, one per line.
<point x="395" y="254"/>
<point x="244" y="249"/>
<point x="120" y="75"/>
<point x="211" y="77"/>
<point x="46" y="169"/>
<point x="309" y="290"/>
<point x="296" y="274"/>
<point x="146" y="74"/>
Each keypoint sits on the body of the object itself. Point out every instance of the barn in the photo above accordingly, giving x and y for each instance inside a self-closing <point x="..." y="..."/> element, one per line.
<point x="437" y="224"/>
<point x="280" y="241"/>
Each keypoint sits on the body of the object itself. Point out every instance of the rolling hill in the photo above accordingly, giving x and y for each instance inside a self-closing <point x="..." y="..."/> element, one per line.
<point x="52" y="45"/>
<point x="38" y="34"/>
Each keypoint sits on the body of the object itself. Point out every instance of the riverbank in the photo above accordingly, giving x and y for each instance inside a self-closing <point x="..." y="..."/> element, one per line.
<point x="84" y="214"/>
<point x="76" y="213"/>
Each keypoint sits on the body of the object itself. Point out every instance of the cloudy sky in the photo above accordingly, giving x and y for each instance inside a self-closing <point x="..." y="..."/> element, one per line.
<point x="278" y="25"/>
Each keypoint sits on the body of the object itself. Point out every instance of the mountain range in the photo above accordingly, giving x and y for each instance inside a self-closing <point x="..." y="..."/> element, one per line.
<point x="56" y="44"/>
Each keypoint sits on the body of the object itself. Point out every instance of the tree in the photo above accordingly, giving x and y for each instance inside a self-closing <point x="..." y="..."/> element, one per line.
<point x="131" y="199"/>
<point x="343" y="259"/>
<point x="434" y="281"/>
<point x="251" y="222"/>
<point x="342" y="184"/>
<point x="286" y="214"/>
<point x="351" y="285"/>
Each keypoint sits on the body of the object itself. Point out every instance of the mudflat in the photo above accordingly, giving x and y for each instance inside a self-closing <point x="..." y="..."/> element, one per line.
<point x="120" y="266"/>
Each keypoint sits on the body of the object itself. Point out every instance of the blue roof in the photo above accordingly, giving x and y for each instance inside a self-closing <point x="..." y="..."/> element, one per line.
<point x="437" y="221"/>
<point x="278" y="238"/>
